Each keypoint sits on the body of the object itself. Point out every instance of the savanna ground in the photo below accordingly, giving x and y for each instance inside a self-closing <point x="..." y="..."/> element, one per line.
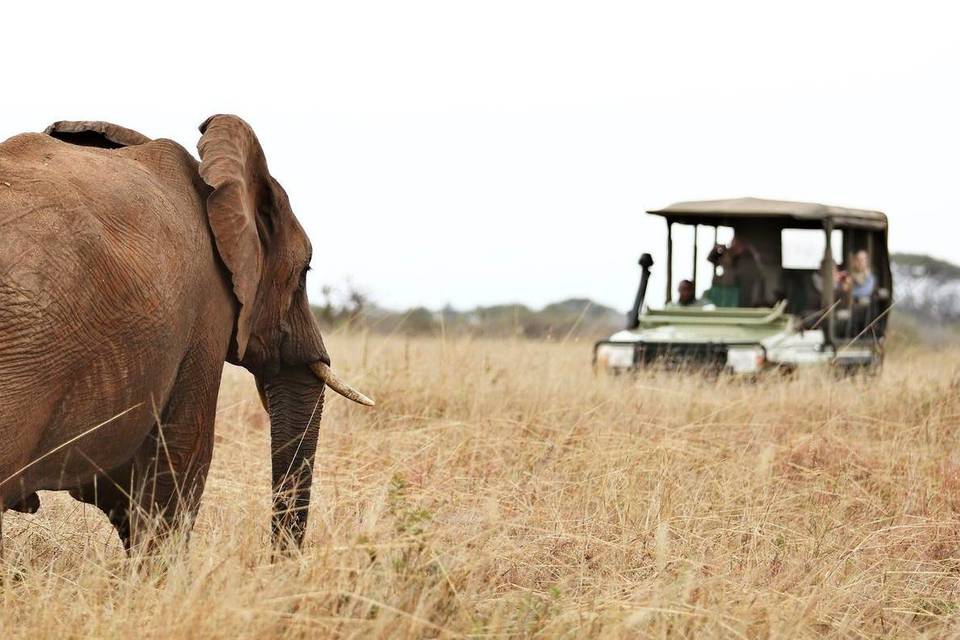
<point x="500" y="489"/>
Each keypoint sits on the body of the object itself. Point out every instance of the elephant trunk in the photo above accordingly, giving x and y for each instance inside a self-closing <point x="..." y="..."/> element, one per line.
<point x="294" y="401"/>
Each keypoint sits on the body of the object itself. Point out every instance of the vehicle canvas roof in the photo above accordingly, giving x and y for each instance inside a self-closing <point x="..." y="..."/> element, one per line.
<point x="805" y="214"/>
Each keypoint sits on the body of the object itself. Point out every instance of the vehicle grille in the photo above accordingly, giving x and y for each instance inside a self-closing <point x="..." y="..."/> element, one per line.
<point x="681" y="356"/>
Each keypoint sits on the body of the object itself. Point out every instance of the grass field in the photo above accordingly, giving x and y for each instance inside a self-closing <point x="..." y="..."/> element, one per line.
<point x="500" y="489"/>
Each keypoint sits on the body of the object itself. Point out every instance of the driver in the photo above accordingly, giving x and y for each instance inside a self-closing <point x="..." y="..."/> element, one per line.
<point x="687" y="295"/>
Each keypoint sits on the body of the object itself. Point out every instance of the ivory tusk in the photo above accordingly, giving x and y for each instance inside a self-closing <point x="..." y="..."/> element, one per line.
<point x="332" y="380"/>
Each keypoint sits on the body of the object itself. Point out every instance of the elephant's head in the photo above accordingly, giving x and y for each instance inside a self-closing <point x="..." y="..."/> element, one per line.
<point x="275" y="337"/>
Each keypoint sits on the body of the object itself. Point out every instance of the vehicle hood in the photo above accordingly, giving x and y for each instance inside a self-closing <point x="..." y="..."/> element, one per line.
<point x="694" y="326"/>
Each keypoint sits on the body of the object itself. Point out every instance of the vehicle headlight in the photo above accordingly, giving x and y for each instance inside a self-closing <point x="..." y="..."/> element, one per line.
<point x="615" y="356"/>
<point x="745" y="359"/>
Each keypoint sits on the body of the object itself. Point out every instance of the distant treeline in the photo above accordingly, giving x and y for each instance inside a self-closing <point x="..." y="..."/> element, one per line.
<point x="926" y="294"/>
<point x="574" y="318"/>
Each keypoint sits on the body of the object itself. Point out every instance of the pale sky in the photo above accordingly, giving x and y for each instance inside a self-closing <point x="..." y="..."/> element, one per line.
<point x="484" y="152"/>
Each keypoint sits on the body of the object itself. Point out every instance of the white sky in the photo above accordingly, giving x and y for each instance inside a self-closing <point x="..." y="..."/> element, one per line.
<point x="483" y="152"/>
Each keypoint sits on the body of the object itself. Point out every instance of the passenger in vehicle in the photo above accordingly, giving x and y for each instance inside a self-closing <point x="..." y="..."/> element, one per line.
<point x="858" y="286"/>
<point x="741" y="269"/>
<point x="687" y="295"/>
<point x="860" y="281"/>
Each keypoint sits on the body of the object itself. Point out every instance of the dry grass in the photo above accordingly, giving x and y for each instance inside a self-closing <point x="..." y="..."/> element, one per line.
<point x="500" y="489"/>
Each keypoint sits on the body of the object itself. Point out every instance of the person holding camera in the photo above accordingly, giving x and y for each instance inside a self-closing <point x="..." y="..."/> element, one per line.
<point x="741" y="270"/>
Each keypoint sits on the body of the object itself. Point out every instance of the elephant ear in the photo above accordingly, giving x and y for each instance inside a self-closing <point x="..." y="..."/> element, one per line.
<point x="233" y="164"/>
<point x="95" y="133"/>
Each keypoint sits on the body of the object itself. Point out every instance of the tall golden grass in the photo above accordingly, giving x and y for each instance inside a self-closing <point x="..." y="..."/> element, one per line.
<point x="500" y="489"/>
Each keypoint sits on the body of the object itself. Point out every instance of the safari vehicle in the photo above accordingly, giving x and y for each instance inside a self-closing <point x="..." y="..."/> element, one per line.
<point x="797" y="313"/>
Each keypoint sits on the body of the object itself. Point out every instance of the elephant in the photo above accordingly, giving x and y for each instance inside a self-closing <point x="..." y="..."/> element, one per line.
<point x="129" y="273"/>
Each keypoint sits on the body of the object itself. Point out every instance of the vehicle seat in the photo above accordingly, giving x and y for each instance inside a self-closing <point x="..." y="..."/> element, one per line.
<point x="723" y="295"/>
<point x="798" y="289"/>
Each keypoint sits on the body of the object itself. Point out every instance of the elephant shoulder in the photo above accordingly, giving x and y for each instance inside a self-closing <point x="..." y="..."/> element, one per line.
<point x="169" y="162"/>
<point x="159" y="155"/>
<point x="92" y="134"/>
<point x="161" y="152"/>
<point x="24" y="146"/>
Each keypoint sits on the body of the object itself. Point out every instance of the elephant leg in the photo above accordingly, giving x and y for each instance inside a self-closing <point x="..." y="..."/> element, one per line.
<point x="136" y="497"/>
<point x="160" y="489"/>
<point x="173" y="462"/>
<point x="29" y="504"/>
<point x="112" y="494"/>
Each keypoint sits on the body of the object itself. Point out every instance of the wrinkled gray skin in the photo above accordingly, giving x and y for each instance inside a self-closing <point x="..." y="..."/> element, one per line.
<point x="129" y="273"/>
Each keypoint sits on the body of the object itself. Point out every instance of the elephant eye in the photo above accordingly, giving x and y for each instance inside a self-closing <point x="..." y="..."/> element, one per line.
<point x="303" y="277"/>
